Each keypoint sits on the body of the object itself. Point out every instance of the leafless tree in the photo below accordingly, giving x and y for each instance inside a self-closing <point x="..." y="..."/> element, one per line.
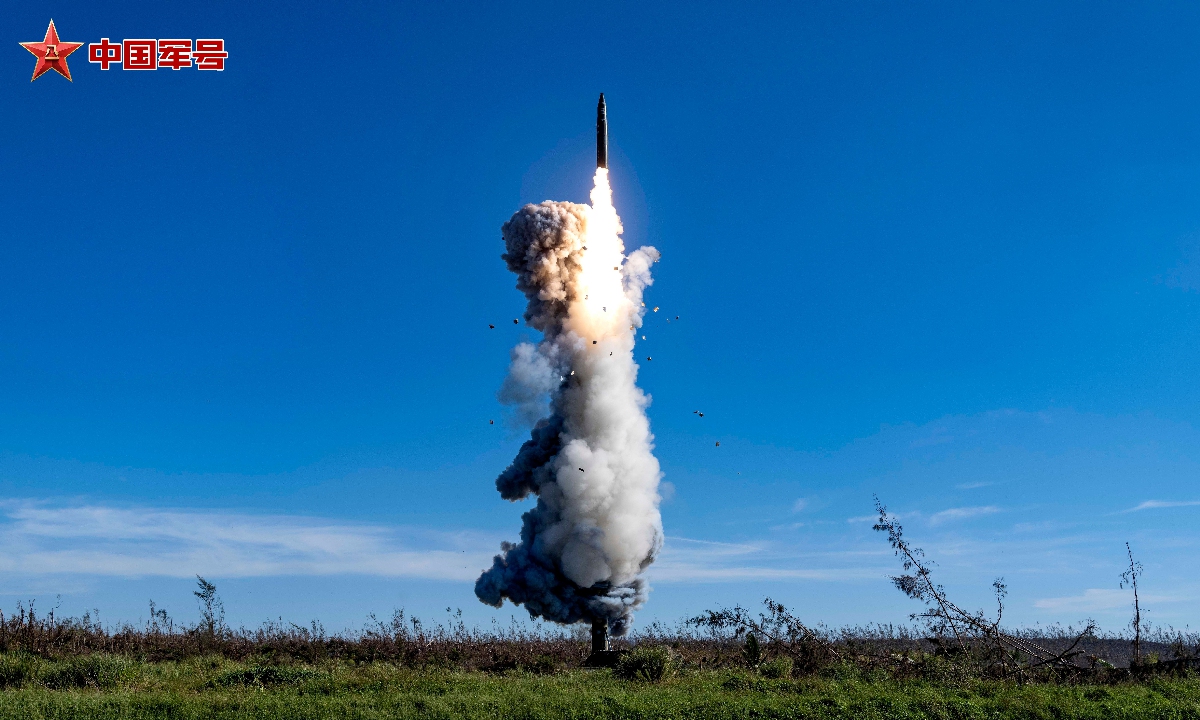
<point x="1129" y="578"/>
<point x="1002" y="651"/>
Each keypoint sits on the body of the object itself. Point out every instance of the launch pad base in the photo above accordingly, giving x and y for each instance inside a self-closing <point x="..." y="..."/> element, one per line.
<point x="603" y="659"/>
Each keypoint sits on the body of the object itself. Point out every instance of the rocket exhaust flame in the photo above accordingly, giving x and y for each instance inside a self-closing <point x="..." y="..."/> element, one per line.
<point x="591" y="534"/>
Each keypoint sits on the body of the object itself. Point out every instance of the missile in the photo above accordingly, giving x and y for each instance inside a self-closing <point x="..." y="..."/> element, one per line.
<point x="601" y="134"/>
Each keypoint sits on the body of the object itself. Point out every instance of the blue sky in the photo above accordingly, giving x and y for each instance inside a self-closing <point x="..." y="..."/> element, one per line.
<point x="948" y="255"/>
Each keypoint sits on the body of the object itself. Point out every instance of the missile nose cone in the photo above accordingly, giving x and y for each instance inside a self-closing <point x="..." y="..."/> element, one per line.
<point x="601" y="134"/>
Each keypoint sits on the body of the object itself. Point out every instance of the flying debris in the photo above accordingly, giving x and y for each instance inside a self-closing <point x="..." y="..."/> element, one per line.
<point x="648" y="358"/>
<point x="718" y="443"/>
<point x="676" y="317"/>
<point x="601" y="134"/>
<point x="580" y="469"/>
<point x="593" y="342"/>
<point x="701" y="414"/>
<point x="516" y="322"/>
<point x="655" y="308"/>
<point x="491" y="422"/>
<point x="491" y="326"/>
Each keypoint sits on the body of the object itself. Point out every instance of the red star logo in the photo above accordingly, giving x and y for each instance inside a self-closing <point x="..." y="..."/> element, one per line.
<point x="51" y="54"/>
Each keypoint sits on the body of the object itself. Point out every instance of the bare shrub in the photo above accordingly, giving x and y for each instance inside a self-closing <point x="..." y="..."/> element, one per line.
<point x="971" y="642"/>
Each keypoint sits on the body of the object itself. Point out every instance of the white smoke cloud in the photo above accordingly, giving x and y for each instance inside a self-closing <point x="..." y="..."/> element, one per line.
<point x="529" y="382"/>
<point x="596" y="526"/>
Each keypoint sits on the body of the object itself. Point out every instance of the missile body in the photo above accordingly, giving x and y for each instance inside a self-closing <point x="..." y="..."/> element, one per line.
<point x="601" y="134"/>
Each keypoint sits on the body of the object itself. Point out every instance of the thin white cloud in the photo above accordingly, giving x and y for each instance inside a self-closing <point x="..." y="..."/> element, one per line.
<point x="800" y="504"/>
<point x="98" y="540"/>
<point x="1156" y="504"/>
<point x="1097" y="600"/>
<point x="689" y="560"/>
<point x="962" y="513"/>
<point x="667" y="571"/>
<point x="972" y="485"/>
<point x="707" y="548"/>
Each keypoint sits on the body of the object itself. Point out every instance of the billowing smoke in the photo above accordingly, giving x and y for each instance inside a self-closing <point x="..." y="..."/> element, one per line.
<point x="596" y="525"/>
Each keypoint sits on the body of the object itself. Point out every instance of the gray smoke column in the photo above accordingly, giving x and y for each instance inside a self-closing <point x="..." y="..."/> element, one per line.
<point x="590" y="460"/>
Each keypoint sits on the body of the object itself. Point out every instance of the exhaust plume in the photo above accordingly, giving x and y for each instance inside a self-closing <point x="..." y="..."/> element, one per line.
<point x="590" y="461"/>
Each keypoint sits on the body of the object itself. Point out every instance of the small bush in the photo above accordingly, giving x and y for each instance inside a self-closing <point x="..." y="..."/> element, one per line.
<point x="543" y="665"/>
<point x="751" y="652"/>
<point x="263" y="676"/>
<point x="646" y="663"/>
<point x="16" y="669"/>
<point x="775" y="668"/>
<point x="94" y="671"/>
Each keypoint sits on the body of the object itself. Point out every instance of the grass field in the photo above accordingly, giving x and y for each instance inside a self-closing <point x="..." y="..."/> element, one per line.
<point x="102" y="686"/>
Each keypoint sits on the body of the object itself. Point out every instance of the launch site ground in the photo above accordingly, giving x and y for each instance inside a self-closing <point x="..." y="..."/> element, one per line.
<point x="209" y="687"/>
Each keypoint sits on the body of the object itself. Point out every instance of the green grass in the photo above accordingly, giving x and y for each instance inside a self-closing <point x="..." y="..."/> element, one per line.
<point x="115" y="687"/>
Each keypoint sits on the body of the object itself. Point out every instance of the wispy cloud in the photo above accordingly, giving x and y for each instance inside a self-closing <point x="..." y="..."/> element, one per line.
<point x="962" y="513"/>
<point x="689" y="560"/>
<point x="708" y="548"/>
<point x="1155" y="504"/>
<point x="667" y="571"/>
<point x="1096" y="600"/>
<point x="972" y="485"/>
<point x="98" y="540"/>
<point x="800" y="504"/>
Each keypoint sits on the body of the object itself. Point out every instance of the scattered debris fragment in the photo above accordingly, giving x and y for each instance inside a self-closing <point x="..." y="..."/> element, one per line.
<point x="701" y="414"/>
<point x="593" y="342"/>
<point x="580" y="469"/>
<point x="676" y="317"/>
<point x="643" y="337"/>
<point x="491" y="326"/>
<point x="655" y="308"/>
<point x="491" y="422"/>
<point x="718" y="443"/>
<point x="516" y="322"/>
<point x="648" y="358"/>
